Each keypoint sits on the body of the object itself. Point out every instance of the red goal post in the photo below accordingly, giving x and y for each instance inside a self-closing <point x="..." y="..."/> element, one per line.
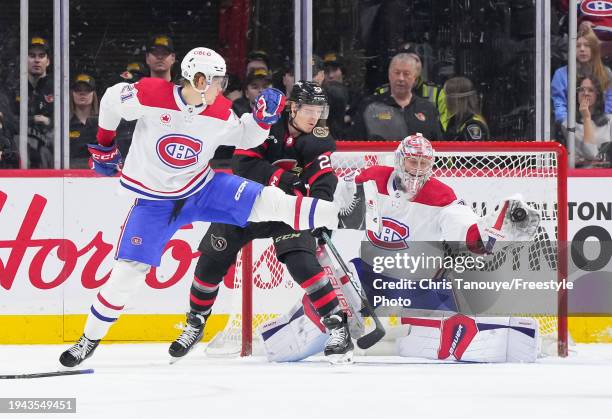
<point x="544" y="162"/>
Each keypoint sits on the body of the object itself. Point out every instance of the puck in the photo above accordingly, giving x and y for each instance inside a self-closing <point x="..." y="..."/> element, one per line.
<point x="518" y="215"/>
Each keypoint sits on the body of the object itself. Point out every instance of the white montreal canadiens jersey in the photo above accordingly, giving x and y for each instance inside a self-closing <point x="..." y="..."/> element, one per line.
<point x="435" y="213"/>
<point x="172" y="142"/>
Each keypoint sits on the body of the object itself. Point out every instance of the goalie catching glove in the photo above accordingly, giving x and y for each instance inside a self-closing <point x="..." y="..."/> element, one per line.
<point x="513" y="220"/>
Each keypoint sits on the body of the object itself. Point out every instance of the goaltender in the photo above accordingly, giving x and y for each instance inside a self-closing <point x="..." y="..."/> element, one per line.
<point x="413" y="206"/>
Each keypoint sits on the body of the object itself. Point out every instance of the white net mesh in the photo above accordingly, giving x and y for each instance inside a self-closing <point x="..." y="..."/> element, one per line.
<point x="482" y="178"/>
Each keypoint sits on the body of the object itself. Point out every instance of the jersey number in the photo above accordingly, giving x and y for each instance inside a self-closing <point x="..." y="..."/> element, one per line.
<point x="324" y="161"/>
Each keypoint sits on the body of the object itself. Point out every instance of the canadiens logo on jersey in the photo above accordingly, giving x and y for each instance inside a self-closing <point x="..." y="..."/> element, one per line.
<point x="596" y="8"/>
<point x="179" y="151"/>
<point x="393" y="236"/>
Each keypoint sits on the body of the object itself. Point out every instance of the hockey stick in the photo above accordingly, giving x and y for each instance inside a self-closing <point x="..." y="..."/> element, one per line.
<point x="46" y="374"/>
<point x="368" y="340"/>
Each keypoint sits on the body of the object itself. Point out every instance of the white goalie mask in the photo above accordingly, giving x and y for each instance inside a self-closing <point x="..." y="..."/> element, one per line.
<point x="414" y="160"/>
<point x="205" y="61"/>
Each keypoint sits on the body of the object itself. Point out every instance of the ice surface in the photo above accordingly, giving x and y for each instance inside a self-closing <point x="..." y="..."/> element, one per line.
<point x="136" y="381"/>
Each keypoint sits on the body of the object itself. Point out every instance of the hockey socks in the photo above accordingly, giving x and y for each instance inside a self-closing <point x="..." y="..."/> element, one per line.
<point x="301" y="213"/>
<point x="126" y="278"/>
<point x="202" y="295"/>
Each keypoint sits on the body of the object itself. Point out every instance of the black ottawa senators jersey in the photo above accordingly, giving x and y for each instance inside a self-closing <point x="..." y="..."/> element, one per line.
<point x="282" y="160"/>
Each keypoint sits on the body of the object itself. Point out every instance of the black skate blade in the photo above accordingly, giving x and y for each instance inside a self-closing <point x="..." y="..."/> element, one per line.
<point x="46" y="374"/>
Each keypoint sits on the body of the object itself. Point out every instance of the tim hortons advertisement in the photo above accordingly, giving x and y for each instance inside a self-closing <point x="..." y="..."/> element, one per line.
<point x="58" y="237"/>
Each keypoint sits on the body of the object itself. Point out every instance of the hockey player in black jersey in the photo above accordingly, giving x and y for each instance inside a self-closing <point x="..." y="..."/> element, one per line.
<point x="296" y="158"/>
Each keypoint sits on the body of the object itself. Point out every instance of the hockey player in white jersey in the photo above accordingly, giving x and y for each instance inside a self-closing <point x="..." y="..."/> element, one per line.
<point x="177" y="132"/>
<point x="415" y="207"/>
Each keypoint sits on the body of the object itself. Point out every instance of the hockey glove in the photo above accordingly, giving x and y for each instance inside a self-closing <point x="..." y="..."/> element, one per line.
<point x="512" y="221"/>
<point x="268" y="106"/>
<point x="106" y="160"/>
<point x="317" y="233"/>
<point x="292" y="184"/>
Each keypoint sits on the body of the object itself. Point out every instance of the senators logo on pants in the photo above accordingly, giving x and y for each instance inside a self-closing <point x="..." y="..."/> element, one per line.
<point x="179" y="151"/>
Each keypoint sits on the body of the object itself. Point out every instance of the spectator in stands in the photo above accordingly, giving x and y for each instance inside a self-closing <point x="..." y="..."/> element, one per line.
<point x="398" y="112"/>
<point x="333" y="66"/>
<point x="257" y="75"/>
<point x="588" y="57"/>
<point x="84" y="106"/>
<point x="134" y="71"/>
<point x="338" y="100"/>
<point x="40" y="105"/>
<point x="9" y="153"/>
<point x="593" y="126"/>
<point x="343" y="100"/>
<point x="466" y="123"/>
<point x="423" y="88"/>
<point x="318" y="70"/>
<point x="284" y="79"/>
<point x="160" y="57"/>
<point x="257" y="60"/>
<point x="233" y="91"/>
<point x="256" y="81"/>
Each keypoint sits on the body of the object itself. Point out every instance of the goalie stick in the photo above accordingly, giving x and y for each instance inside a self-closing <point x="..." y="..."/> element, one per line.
<point x="45" y="374"/>
<point x="368" y="340"/>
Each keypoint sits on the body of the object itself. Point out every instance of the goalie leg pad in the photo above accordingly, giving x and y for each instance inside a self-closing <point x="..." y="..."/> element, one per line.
<point x="126" y="277"/>
<point x="295" y="335"/>
<point x="473" y="339"/>
<point x="300" y="213"/>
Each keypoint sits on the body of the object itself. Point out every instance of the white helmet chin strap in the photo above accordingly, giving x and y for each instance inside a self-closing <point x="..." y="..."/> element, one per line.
<point x="202" y="92"/>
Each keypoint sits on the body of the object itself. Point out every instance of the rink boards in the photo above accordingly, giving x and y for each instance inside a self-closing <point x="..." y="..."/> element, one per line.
<point x="57" y="240"/>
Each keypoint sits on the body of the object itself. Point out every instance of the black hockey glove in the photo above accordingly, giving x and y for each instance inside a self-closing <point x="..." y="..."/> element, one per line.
<point x="292" y="184"/>
<point x="318" y="234"/>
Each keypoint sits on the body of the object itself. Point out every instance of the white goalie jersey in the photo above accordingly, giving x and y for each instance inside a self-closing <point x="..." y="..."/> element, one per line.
<point x="435" y="213"/>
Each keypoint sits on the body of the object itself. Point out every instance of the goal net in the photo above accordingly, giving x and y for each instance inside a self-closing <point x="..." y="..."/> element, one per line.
<point x="481" y="173"/>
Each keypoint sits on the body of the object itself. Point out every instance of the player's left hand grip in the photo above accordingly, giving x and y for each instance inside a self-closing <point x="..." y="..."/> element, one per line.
<point x="269" y="106"/>
<point x="106" y="160"/>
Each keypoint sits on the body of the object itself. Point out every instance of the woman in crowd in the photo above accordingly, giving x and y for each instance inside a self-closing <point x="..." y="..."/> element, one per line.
<point x="257" y="80"/>
<point x="588" y="63"/>
<point x="84" y="106"/>
<point x="462" y="103"/>
<point x="593" y="125"/>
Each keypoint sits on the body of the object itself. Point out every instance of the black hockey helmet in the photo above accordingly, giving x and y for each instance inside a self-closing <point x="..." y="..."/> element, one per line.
<point x="309" y="93"/>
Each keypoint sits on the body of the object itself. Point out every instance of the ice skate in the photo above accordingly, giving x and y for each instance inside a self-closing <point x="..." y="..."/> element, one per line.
<point x="339" y="347"/>
<point x="191" y="336"/>
<point x="79" y="352"/>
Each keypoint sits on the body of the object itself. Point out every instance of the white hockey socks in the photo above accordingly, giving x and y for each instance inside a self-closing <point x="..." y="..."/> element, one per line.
<point x="301" y="213"/>
<point x="126" y="278"/>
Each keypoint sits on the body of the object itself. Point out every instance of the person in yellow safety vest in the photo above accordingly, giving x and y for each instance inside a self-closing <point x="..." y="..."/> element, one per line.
<point x="427" y="90"/>
<point x="462" y="102"/>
